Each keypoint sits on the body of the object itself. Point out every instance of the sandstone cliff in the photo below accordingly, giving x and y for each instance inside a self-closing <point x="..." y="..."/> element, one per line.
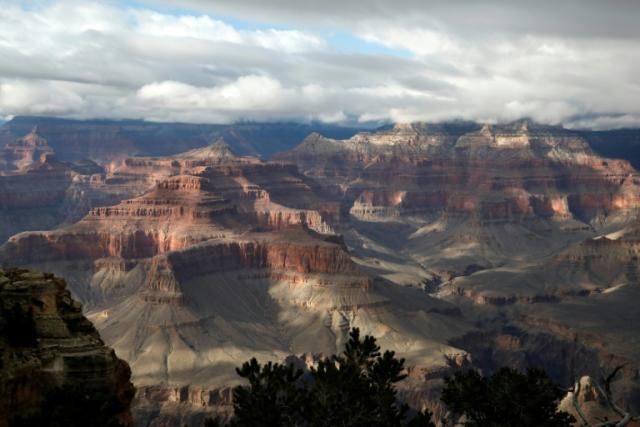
<point x="223" y="259"/>
<point x="502" y="173"/>
<point x="513" y="244"/>
<point x="522" y="226"/>
<point x="39" y="192"/>
<point x="47" y="344"/>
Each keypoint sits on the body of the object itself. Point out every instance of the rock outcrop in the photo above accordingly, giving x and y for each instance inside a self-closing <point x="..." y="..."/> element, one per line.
<point x="506" y="173"/>
<point x="46" y="344"/>
<point x="224" y="259"/>
<point x="25" y="152"/>
<point x="512" y="244"/>
<point x="519" y="225"/>
<point x="106" y="140"/>
<point x="588" y="404"/>
<point x="39" y="192"/>
<point x="462" y="195"/>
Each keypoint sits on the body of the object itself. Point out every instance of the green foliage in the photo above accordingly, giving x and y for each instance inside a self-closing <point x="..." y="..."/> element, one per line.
<point x="273" y="397"/>
<point x="507" y="398"/>
<point x="355" y="388"/>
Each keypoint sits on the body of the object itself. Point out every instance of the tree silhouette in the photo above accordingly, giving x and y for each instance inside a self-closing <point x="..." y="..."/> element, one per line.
<point x="273" y="397"/>
<point x="507" y="398"/>
<point x="353" y="389"/>
<point x="356" y="388"/>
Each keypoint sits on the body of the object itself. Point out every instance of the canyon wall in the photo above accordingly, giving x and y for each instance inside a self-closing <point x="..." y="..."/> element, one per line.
<point x="508" y="173"/>
<point x="47" y="344"/>
<point x="456" y="245"/>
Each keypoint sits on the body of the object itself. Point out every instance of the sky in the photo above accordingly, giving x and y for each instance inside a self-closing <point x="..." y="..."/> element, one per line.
<point x="349" y="62"/>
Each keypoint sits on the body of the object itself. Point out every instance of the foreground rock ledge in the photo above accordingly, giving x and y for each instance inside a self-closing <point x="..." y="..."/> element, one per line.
<point x="60" y="348"/>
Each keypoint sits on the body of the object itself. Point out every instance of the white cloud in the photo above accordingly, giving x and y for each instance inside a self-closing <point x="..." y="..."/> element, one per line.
<point x="21" y="97"/>
<point x="205" y="28"/>
<point x="247" y="93"/>
<point x="420" y="41"/>
<point x="482" y="62"/>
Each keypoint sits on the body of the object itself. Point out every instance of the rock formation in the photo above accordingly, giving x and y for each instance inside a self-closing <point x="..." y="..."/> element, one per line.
<point x="24" y="152"/>
<point x="106" y="140"/>
<point x="507" y="173"/>
<point x="39" y="192"/>
<point x="588" y="403"/>
<point x="454" y="244"/>
<point x="47" y="344"/>
<point x="460" y="196"/>
<point x="522" y="226"/>
<point x="226" y="258"/>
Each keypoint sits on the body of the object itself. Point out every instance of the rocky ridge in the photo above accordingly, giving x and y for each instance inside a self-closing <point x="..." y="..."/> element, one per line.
<point x="46" y="343"/>
<point x="226" y="258"/>
<point x="501" y="173"/>
<point x="521" y="226"/>
<point x="38" y="192"/>
<point x="519" y="230"/>
<point x="25" y="152"/>
<point x="105" y="140"/>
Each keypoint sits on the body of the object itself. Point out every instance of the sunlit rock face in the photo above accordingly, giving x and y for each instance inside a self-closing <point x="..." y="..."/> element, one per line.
<point x="456" y="245"/>
<point x="522" y="226"/>
<point x="223" y="259"/>
<point x="468" y="194"/>
<point x="472" y="204"/>
<point x="587" y="402"/>
<point x="40" y="192"/>
<point x="502" y="173"/>
<point x="66" y="352"/>
<point x="200" y="195"/>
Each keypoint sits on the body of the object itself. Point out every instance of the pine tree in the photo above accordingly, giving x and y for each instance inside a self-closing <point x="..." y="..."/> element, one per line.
<point x="274" y="396"/>
<point x="353" y="389"/>
<point x="507" y="398"/>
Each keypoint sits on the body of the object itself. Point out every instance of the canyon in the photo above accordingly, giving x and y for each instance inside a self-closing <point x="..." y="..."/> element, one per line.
<point x="523" y="227"/>
<point x="455" y="244"/>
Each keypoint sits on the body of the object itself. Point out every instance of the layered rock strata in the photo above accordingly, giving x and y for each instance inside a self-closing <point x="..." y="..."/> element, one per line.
<point x="227" y="258"/>
<point x="502" y="173"/>
<point x="518" y="225"/>
<point x="46" y="344"/>
<point x="24" y="152"/>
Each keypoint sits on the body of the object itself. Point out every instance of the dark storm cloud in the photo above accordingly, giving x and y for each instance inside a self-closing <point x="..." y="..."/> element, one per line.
<point x="572" y="18"/>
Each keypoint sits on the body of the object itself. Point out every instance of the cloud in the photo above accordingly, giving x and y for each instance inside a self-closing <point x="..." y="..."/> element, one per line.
<point x="573" y="61"/>
<point x="252" y="96"/>
<point x="567" y="18"/>
<point x="205" y="28"/>
<point x="20" y="98"/>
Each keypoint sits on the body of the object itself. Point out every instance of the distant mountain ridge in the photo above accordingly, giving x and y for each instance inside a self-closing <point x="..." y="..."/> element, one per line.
<point x="103" y="140"/>
<point x="99" y="139"/>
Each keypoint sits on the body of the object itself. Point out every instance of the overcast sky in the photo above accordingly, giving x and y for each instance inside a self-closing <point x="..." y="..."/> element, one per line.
<point x="343" y="61"/>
